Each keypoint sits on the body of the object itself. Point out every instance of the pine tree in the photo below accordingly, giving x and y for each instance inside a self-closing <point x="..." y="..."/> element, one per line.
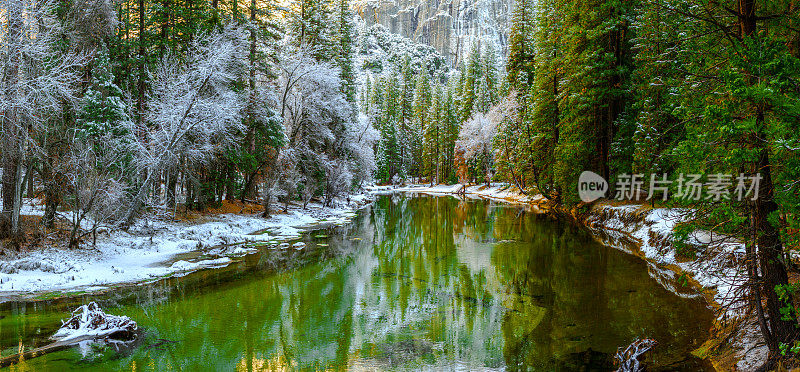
<point x="487" y="95"/>
<point x="597" y="69"/>
<point x="432" y="150"/>
<point x="103" y="111"/>
<point x="420" y="106"/>
<point x="653" y="130"/>
<point x="365" y="94"/>
<point x="406" y="116"/>
<point x="310" y="24"/>
<point x="736" y="101"/>
<point x="449" y="129"/>
<point x="389" y="149"/>
<point x="344" y="50"/>
<point x="544" y="120"/>
<point x="521" y="46"/>
<point x="471" y="80"/>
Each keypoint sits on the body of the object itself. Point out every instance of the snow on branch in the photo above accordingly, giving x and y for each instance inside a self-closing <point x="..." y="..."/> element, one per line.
<point x="37" y="77"/>
<point x="628" y="359"/>
<point x="476" y="135"/>
<point x="192" y="109"/>
<point x="310" y="96"/>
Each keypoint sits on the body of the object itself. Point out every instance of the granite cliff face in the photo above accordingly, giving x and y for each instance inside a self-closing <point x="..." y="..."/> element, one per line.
<point x="450" y="26"/>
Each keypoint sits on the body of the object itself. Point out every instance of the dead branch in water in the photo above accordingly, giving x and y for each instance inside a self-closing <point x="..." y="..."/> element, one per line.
<point x="628" y="359"/>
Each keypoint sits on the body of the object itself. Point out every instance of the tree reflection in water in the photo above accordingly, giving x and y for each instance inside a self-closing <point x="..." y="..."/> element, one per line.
<point x="413" y="282"/>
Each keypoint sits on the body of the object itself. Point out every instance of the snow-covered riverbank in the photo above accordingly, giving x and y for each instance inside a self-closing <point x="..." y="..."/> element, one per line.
<point x="496" y="191"/>
<point x="151" y="249"/>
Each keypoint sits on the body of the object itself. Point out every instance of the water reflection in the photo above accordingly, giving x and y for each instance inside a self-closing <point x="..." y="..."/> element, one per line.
<point x="412" y="283"/>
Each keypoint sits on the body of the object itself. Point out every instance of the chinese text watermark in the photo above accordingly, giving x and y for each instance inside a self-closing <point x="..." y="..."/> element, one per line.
<point x="694" y="187"/>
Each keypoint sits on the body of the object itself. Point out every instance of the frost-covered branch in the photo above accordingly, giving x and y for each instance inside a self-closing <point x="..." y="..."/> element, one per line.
<point x="192" y="109"/>
<point x="37" y="79"/>
<point x="628" y="359"/>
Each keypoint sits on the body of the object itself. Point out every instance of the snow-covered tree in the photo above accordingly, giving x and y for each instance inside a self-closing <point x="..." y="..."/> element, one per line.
<point x="432" y="135"/>
<point x="381" y="51"/>
<point x="88" y="23"/>
<point x="309" y="97"/>
<point x="360" y="141"/>
<point x="472" y="78"/>
<point x="37" y="78"/>
<point x="521" y="45"/>
<point x="315" y="115"/>
<point x="512" y="153"/>
<point x="387" y="121"/>
<point x="419" y="123"/>
<point x="310" y="24"/>
<point x="97" y="171"/>
<point x="487" y="90"/>
<point x="193" y="111"/>
<point x="474" y="149"/>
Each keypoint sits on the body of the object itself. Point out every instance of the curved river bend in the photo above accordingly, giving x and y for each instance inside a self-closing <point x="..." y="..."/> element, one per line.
<point x="412" y="283"/>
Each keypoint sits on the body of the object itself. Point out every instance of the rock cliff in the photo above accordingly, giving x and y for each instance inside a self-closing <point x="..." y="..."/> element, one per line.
<point x="450" y="26"/>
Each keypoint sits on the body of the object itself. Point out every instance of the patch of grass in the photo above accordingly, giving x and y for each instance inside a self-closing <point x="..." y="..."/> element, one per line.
<point x="59" y="294"/>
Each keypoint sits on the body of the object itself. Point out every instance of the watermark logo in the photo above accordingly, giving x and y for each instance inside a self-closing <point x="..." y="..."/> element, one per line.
<point x="591" y="186"/>
<point x="713" y="187"/>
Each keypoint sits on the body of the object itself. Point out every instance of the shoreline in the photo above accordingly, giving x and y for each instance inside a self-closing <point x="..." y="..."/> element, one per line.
<point x="645" y="232"/>
<point x="156" y="248"/>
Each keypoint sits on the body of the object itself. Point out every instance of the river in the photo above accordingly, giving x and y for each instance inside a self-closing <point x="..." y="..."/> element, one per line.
<point x="413" y="283"/>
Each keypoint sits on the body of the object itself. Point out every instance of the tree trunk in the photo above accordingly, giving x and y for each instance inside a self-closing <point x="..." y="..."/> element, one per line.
<point x="140" y="82"/>
<point x="17" y="200"/>
<point x="29" y="181"/>
<point x="52" y="196"/>
<point x="189" y="185"/>
<point x="769" y="247"/>
<point x="165" y="27"/>
<point x="230" y="182"/>
<point x="10" y="166"/>
<point x="215" y="12"/>
<point x="171" y="182"/>
<point x="247" y="188"/>
<point x="267" y="202"/>
<point x="770" y="257"/>
<point x="10" y="134"/>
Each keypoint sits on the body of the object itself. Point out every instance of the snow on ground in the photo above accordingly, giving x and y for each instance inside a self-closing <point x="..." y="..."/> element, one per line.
<point x="148" y="249"/>
<point x="718" y="265"/>
<point x="496" y="191"/>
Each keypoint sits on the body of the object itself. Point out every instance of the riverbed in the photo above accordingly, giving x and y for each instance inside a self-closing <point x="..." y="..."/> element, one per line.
<point x="413" y="282"/>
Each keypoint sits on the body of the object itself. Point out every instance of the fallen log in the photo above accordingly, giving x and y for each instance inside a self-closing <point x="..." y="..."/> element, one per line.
<point x="39" y="351"/>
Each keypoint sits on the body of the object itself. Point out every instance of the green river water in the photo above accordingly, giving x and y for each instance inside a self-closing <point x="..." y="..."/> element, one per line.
<point x="413" y="283"/>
